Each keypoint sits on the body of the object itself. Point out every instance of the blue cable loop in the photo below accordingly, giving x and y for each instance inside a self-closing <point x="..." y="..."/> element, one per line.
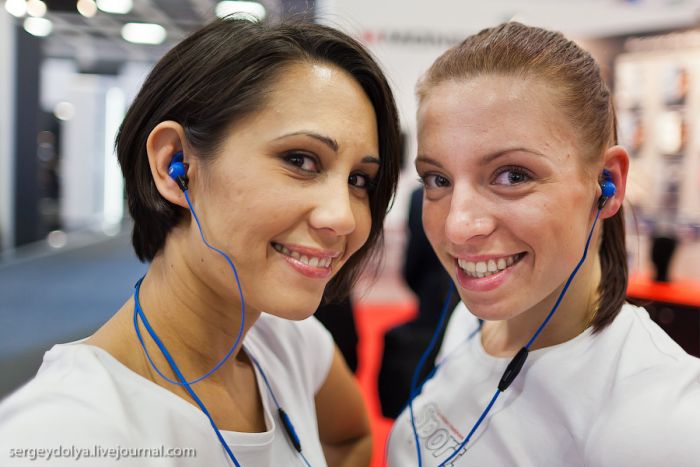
<point x="527" y="346"/>
<point x="240" y="291"/>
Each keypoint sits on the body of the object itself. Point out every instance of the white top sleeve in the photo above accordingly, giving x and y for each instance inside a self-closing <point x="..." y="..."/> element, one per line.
<point x="318" y="349"/>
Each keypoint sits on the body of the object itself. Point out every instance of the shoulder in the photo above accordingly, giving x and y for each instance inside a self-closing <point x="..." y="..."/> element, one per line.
<point x="652" y="413"/>
<point x="305" y="348"/>
<point x="651" y="419"/>
<point x="641" y="342"/>
<point x="71" y="398"/>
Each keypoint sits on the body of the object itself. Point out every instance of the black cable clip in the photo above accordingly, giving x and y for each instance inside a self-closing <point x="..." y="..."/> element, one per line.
<point x="513" y="369"/>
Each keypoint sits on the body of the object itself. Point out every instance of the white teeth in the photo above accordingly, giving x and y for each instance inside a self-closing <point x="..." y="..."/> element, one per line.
<point x="486" y="268"/>
<point x="313" y="261"/>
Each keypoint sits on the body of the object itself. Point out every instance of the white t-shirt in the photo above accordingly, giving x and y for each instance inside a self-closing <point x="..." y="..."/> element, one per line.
<point x="626" y="396"/>
<point x="84" y="402"/>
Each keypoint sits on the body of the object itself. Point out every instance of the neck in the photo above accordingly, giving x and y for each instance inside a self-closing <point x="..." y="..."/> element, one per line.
<point x="197" y="323"/>
<point x="573" y="316"/>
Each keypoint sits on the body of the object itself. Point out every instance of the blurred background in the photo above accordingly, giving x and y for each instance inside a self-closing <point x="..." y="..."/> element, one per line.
<point x="69" y="69"/>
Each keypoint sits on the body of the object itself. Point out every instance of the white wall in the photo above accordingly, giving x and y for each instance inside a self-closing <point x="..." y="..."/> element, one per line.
<point x="91" y="183"/>
<point x="7" y="129"/>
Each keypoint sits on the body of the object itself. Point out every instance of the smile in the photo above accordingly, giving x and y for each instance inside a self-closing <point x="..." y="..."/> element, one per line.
<point x="493" y="266"/>
<point x="307" y="259"/>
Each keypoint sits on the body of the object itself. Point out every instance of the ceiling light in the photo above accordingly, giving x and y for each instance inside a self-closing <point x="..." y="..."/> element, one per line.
<point x="87" y="8"/>
<point x="119" y="7"/>
<point x="144" y="33"/>
<point x="36" y="8"/>
<point x="40" y="27"/>
<point x="244" y="10"/>
<point x="16" y="8"/>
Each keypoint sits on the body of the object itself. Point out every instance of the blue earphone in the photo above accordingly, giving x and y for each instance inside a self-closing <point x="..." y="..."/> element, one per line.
<point x="608" y="190"/>
<point x="607" y="187"/>
<point x="177" y="170"/>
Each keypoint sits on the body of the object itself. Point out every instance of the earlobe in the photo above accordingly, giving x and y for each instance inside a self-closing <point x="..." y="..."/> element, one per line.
<point x="163" y="143"/>
<point x="616" y="164"/>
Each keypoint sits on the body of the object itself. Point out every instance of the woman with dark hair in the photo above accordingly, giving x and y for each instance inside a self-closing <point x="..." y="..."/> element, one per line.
<point x="524" y="185"/>
<point x="260" y="162"/>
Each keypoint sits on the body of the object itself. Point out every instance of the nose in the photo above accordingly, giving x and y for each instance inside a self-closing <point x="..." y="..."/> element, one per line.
<point x="470" y="216"/>
<point x="333" y="211"/>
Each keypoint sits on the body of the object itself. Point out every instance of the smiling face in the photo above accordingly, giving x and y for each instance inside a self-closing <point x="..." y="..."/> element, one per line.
<point x="287" y="194"/>
<point x="507" y="205"/>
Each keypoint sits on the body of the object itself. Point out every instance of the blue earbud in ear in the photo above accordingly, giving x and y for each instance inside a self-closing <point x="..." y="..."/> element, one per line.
<point x="178" y="170"/>
<point x="608" y="188"/>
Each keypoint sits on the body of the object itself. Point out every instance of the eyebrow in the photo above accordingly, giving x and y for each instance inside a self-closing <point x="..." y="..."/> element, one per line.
<point x="493" y="156"/>
<point x="485" y="160"/>
<point x="328" y="141"/>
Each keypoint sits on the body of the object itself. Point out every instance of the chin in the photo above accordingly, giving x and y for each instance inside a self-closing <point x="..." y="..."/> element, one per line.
<point x="491" y="311"/>
<point x="294" y="308"/>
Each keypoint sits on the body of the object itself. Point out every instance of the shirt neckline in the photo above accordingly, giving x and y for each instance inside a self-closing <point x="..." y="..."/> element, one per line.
<point x="237" y="438"/>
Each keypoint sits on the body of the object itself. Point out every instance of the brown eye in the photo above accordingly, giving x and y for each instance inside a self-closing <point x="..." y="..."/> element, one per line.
<point x="360" y="180"/>
<point x="302" y="161"/>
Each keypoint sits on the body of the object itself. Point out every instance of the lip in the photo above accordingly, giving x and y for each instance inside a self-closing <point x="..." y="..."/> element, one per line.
<point x="310" y="251"/>
<point x="483" y="284"/>
<point x="313" y="272"/>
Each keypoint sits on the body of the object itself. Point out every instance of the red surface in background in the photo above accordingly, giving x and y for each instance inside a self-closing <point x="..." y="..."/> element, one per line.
<point x="683" y="292"/>
<point x="372" y="321"/>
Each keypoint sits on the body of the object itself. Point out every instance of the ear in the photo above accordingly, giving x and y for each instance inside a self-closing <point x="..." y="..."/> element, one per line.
<point x="616" y="162"/>
<point x="166" y="139"/>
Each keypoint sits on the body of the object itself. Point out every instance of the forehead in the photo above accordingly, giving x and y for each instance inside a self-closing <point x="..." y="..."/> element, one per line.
<point x="314" y="84"/>
<point x="488" y="112"/>
<point x="319" y="98"/>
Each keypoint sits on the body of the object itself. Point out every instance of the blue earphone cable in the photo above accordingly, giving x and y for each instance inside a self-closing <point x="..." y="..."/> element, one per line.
<point x="284" y="418"/>
<point x="566" y="286"/>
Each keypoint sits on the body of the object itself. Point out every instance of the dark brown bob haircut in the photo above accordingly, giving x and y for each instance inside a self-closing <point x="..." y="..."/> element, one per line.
<point x="223" y="73"/>
<point x="514" y="49"/>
